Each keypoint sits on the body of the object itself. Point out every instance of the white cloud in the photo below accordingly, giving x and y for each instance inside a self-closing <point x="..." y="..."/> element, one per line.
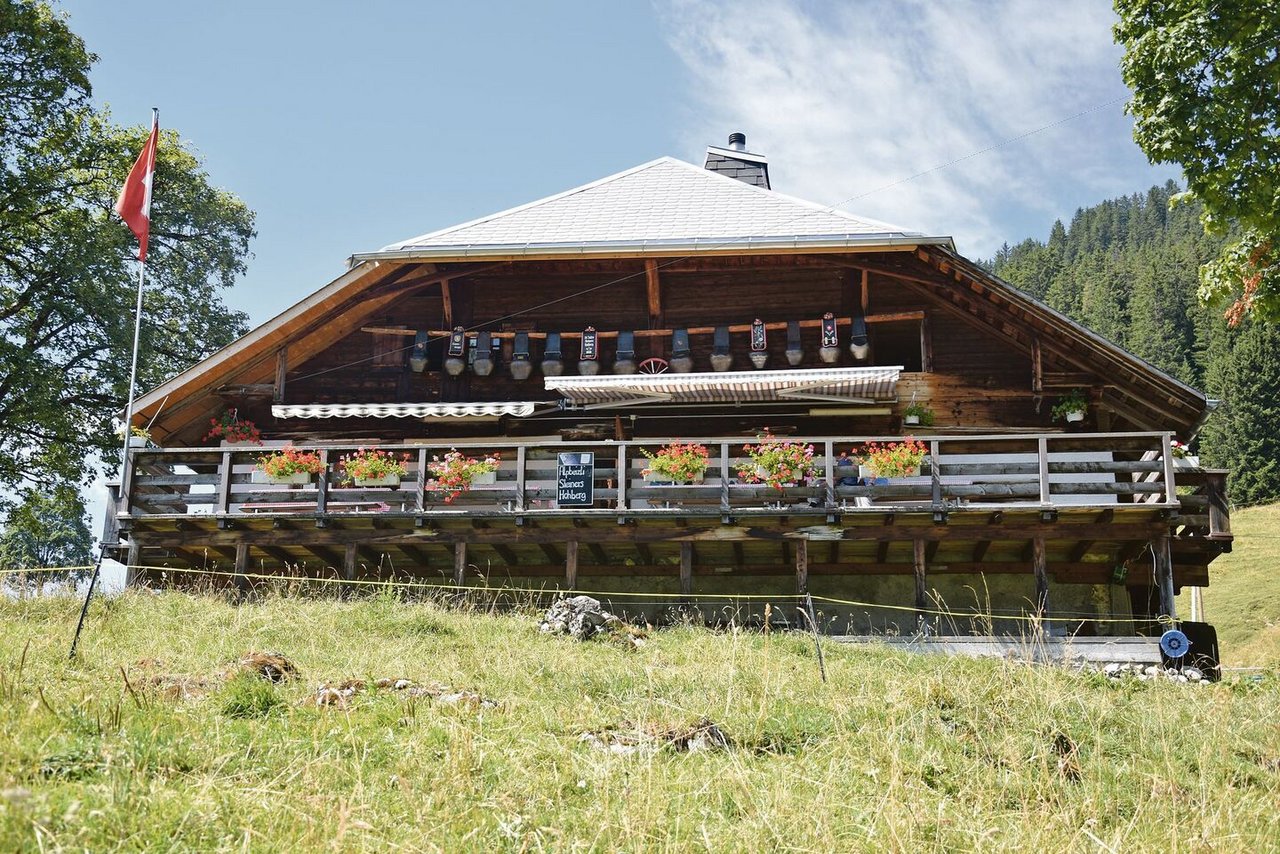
<point x="847" y="98"/>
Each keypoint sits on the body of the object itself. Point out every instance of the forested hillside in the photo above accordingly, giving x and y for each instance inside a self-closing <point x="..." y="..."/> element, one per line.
<point x="1128" y="269"/>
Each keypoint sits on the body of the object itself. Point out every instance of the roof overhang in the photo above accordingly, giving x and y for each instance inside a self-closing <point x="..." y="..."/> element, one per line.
<point x="839" y="385"/>
<point x="425" y="411"/>
<point x="657" y="248"/>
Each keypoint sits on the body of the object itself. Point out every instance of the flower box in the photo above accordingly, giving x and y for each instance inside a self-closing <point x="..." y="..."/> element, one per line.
<point x="137" y="441"/>
<point x="484" y="478"/>
<point x="1188" y="462"/>
<point x="383" y="480"/>
<point x="1075" y="415"/>
<point x="869" y="474"/>
<point x="911" y="419"/>
<point x="659" y="479"/>
<point x="259" y="476"/>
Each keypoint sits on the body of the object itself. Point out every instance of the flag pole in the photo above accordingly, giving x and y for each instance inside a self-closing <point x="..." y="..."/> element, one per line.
<point x="128" y="406"/>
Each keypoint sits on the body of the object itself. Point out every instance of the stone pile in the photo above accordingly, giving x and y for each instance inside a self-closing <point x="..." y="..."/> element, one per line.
<point x="338" y="695"/>
<point x="579" y="617"/>
<point x="627" y="738"/>
<point x="1155" y="673"/>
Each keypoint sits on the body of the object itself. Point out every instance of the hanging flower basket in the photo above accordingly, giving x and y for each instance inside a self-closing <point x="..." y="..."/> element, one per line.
<point x="233" y="430"/>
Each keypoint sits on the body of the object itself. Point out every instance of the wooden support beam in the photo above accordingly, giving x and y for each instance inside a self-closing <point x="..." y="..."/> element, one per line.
<point x="922" y="591"/>
<point x="776" y="326"/>
<point x="980" y="550"/>
<point x="446" y="299"/>
<point x="738" y="556"/>
<point x="1040" y="568"/>
<point x="646" y="554"/>
<point x="655" y="292"/>
<point x="550" y="551"/>
<point x="507" y="554"/>
<point x="833" y="552"/>
<point x="686" y="570"/>
<point x="132" y="560"/>
<point x="1164" y="576"/>
<point x="282" y="368"/>
<point x="242" y="567"/>
<point x="417" y="555"/>
<point x="459" y="563"/>
<point x="571" y="565"/>
<point x="931" y="551"/>
<point x="328" y="557"/>
<point x="351" y="555"/>
<point x="597" y="553"/>
<point x="882" y="551"/>
<point x="802" y="566"/>
<point x="1219" y="513"/>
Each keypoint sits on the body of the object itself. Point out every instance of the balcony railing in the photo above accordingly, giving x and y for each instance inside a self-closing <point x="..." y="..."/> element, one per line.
<point x="1044" y="471"/>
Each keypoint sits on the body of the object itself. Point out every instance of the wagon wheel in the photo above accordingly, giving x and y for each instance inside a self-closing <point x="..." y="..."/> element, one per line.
<point x="654" y="366"/>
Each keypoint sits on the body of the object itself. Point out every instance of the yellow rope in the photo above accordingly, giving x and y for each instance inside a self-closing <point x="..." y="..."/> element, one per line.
<point x="656" y="594"/>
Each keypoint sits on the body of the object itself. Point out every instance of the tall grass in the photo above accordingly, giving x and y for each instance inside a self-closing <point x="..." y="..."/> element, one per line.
<point x="895" y="752"/>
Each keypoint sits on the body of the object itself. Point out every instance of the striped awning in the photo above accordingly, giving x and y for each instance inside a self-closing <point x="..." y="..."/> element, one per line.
<point x="519" y="409"/>
<point x="839" y="385"/>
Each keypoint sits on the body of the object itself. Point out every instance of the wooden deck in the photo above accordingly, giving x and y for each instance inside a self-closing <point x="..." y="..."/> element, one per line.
<point x="1072" y="507"/>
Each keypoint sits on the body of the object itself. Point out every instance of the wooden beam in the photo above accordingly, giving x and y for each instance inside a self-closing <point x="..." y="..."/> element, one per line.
<point x="655" y="292"/>
<point x="922" y="590"/>
<point x="571" y="565"/>
<point x="882" y="551"/>
<point x="980" y="550"/>
<point x="350" y="555"/>
<point x="282" y="368"/>
<point x="1040" y="568"/>
<point x="1164" y="576"/>
<point x="550" y="551"/>
<point x="802" y="566"/>
<point x="460" y="563"/>
<point x="597" y="553"/>
<point x="446" y="299"/>
<point x="686" y="569"/>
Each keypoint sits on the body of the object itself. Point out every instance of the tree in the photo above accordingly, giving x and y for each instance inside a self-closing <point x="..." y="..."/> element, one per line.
<point x="1205" y="77"/>
<point x="1242" y="436"/>
<point x="46" y="529"/>
<point x="67" y="264"/>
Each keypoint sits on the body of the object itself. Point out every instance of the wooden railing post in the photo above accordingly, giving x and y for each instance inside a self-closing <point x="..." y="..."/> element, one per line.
<point x="1042" y="454"/>
<point x="1215" y="485"/>
<point x="242" y="567"/>
<point x="935" y="475"/>
<point x="322" y="489"/>
<point x="520" y="477"/>
<point x="459" y="563"/>
<point x="624" y="474"/>
<point x="420" y="485"/>
<point x="724" y="478"/>
<point x="1166" y="450"/>
<point x="224" y="484"/>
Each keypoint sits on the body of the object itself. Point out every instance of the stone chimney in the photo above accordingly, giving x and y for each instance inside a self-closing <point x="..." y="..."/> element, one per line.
<point x="736" y="162"/>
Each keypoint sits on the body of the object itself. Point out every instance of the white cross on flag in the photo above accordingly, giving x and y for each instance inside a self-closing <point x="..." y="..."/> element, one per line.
<point x="134" y="204"/>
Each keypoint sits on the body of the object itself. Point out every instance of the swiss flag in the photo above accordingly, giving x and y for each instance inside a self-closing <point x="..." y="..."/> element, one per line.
<point x="134" y="204"/>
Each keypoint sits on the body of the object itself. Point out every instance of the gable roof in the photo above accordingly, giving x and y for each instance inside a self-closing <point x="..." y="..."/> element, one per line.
<point x="663" y="205"/>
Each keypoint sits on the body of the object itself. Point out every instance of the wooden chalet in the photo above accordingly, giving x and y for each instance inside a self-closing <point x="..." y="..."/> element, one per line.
<point x="616" y="316"/>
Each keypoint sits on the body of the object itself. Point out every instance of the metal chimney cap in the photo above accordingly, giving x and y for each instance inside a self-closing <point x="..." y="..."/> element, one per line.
<point x="738" y="141"/>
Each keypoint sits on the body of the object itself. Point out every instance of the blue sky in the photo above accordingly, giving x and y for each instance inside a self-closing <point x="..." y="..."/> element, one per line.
<point x="349" y="126"/>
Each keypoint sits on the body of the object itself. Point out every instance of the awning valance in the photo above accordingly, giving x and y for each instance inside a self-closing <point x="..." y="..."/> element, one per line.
<point x="840" y="385"/>
<point x="519" y="409"/>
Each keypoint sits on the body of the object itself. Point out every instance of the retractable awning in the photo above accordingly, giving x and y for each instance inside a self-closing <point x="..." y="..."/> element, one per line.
<point x="840" y="385"/>
<point x="518" y="409"/>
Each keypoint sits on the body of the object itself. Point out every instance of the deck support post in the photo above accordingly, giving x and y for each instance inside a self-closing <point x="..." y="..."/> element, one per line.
<point x="922" y="593"/>
<point x="242" y="567"/>
<point x="1164" y="576"/>
<point x="349" y="556"/>
<point x="686" y="572"/>
<point x="1039" y="565"/>
<point x="459" y="563"/>
<point x="571" y="565"/>
<point x="134" y="558"/>
<point x="802" y="574"/>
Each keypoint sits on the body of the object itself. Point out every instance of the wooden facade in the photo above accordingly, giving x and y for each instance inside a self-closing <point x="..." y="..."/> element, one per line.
<point x="1066" y="514"/>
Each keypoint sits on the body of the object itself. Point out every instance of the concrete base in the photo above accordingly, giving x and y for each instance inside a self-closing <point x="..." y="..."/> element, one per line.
<point x="1095" y="650"/>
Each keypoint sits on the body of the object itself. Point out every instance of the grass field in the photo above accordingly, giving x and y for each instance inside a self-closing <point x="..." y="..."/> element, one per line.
<point x="897" y="752"/>
<point x="1243" y="597"/>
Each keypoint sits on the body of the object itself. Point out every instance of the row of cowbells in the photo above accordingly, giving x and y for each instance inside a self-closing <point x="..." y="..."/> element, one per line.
<point x="481" y="357"/>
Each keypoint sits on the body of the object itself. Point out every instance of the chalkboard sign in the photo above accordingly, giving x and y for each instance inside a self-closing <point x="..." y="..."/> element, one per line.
<point x="575" y="480"/>
<point x="590" y="347"/>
